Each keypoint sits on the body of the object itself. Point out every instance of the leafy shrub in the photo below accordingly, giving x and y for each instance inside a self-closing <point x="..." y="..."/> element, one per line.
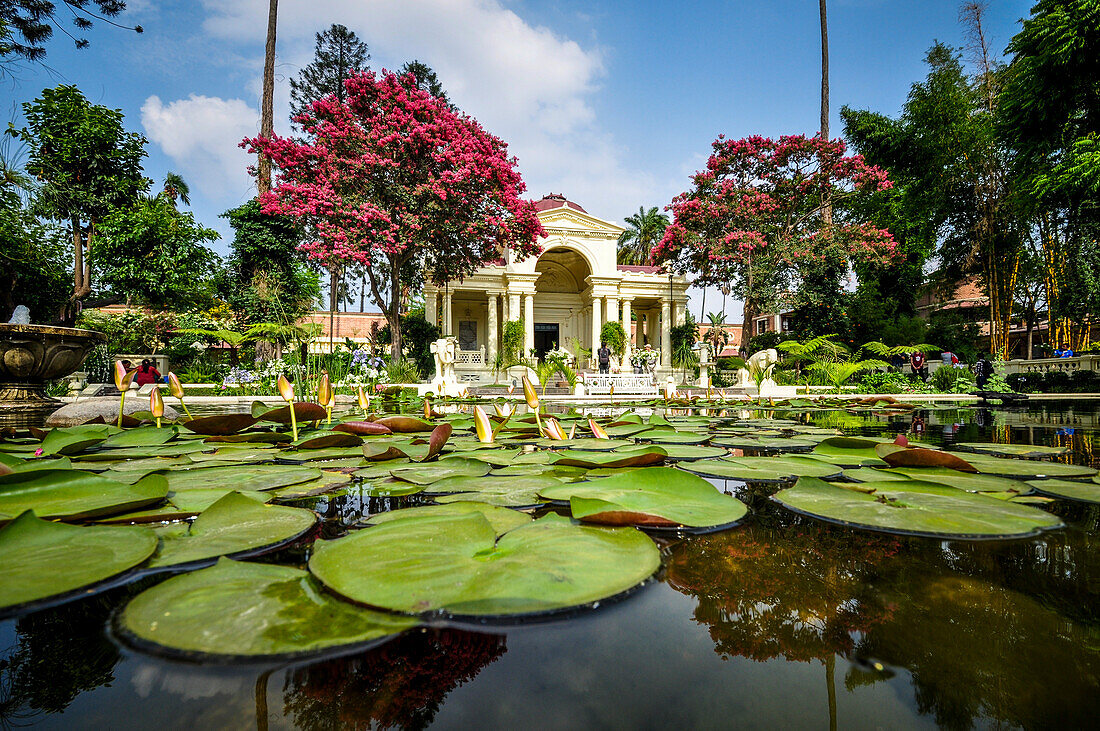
<point x="889" y="382"/>
<point x="952" y="380"/>
<point x="1056" y="382"/>
<point x="1025" y="382"/>
<point x="402" y="371"/>
<point x="1084" y="381"/>
<point x="614" y="336"/>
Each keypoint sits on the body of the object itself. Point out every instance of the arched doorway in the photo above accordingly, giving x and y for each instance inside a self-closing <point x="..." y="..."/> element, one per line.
<point x="560" y="309"/>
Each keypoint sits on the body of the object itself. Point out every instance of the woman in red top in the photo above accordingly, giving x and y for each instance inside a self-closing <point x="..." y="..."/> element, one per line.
<point x="146" y="373"/>
<point x="916" y="362"/>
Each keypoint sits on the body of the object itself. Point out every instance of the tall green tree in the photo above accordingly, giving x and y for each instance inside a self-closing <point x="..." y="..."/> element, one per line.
<point x="34" y="263"/>
<point x="425" y="78"/>
<point x="154" y="254"/>
<point x="644" y="230"/>
<point x="87" y="165"/>
<point x="338" y="55"/>
<point x="950" y="171"/>
<point x="175" y="187"/>
<point x="26" y="25"/>
<point x="1050" y="117"/>
<point x="266" y="278"/>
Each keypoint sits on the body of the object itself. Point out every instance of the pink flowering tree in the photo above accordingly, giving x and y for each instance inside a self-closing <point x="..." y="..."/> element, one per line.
<point x="768" y="217"/>
<point x="394" y="179"/>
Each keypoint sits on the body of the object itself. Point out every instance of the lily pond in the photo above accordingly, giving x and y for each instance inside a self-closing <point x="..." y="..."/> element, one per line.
<point x="626" y="565"/>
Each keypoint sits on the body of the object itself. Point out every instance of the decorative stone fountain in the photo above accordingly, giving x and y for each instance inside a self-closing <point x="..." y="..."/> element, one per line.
<point x="31" y="355"/>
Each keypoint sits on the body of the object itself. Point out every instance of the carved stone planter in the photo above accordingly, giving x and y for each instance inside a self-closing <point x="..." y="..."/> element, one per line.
<point x="30" y="355"/>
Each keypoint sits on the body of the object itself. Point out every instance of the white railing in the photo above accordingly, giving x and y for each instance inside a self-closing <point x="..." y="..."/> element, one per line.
<point x="634" y="384"/>
<point x="470" y="357"/>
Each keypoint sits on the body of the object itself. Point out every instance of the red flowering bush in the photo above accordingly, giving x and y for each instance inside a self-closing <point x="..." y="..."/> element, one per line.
<point x="394" y="179"/>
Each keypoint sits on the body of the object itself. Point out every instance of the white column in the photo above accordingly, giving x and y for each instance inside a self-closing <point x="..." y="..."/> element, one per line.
<point x="666" y="333"/>
<point x="528" y="323"/>
<point x="431" y="306"/>
<point x="612" y="313"/>
<point x="597" y="325"/>
<point x="493" y="336"/>
<point x="447" y="301"/>
<point x="513" y="306"/>
<point x="681" y="312"/>
<point x="626" y="327"/>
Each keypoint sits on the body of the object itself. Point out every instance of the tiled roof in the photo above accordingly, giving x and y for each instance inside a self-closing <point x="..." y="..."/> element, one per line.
<point x="556" y="200"/>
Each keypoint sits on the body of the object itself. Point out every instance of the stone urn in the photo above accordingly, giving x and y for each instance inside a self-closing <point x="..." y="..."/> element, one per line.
<point x="31" y="355"/>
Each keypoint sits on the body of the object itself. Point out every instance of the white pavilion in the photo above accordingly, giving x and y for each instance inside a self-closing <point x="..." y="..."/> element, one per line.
<point x="569" y="291"/>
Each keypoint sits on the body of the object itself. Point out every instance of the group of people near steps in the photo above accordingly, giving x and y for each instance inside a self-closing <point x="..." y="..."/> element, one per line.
<point x="983" y="369"/>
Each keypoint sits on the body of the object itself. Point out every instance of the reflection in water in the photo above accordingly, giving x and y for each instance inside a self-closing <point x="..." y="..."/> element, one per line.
<point x="975" y="649"/>
<point x="56" y="655"/>
<point x="399" y="685"/>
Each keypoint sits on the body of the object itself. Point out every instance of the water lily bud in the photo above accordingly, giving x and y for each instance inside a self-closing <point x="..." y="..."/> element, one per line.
<point x="174" y="386"/>
<point x="363" y="398"/>
<point x="156" y="403"/>
<point x="324" y="390"/>
<point x="597" y="430"/>
<point x="554" y="431"/>
<point x="286" y="389"/>
<point x="482" y="426"/>
<point x="122" y="378"/>
<point x="529" y="394"/>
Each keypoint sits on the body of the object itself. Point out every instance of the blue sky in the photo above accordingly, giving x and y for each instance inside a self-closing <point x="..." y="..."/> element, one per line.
<point x="614" y="104"/>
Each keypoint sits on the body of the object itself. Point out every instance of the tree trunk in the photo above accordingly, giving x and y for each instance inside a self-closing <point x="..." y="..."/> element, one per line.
<point x="824" y="72"/>
<point x="363" y="294"/>
<point x="395" y="315"/>
<point x="332" y="309"/>
<point x="267" y="114"/>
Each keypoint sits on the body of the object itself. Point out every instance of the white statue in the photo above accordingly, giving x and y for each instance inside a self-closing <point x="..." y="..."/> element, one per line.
<point x="761" y="361"/>
<point x="445" y="382"/>
<point x="21" y="316"/>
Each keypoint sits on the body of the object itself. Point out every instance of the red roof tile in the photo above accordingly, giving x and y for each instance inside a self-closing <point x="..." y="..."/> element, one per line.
<point x="556" y="200"/>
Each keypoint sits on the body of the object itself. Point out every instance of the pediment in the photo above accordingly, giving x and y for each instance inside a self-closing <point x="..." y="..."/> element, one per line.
<point x="566" y="218"/>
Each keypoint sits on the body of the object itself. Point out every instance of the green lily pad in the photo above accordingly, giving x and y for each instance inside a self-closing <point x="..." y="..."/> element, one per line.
<point x="172" y="449"/>
<point x="655" y="496"/>
<point x="288" y="614"/>
<point x="496" y="457"/>
<point x="584" y="444"/>
<point x="233" y="526"/>
<point x="917" y="508"/>
<point x="963" y="480"/>
<point x="501" y="519"/>
<point x="661" y="436"/>
<point x="379" y="470"/>
<point x="457" y="564"/>
<point x="431" y="473"/>
<point x="683" y="452"/>
<point x="45" y="560"/>
<point x="187" y="504"/>
<point x="145" y="436"/>
<point x="327" y="482"/>
<point x="219" y="425"/>
<point x="75" y="495"/>
<point x="641" y="457"/>
<point x="1085" y="492"/>
<point x="763" y="469"/>
<point x="244" y="477"/>
<point x="767" y="444"/>
<point x="329" y="454"/>
<point x="541" y="456"/>
<point x="327" y="440"/>
<point x="1027" y="469"/>
<point x="849" y="452"/>
<point x="1011" y="450"/>
<point x="870" y="474"/>
<point x="391" y="488"/>
<point x="505" y="492"/>
<point x="75" y="439"/>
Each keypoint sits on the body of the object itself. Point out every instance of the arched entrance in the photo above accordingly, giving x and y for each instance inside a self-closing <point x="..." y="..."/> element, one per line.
<point x="561" y="312"/>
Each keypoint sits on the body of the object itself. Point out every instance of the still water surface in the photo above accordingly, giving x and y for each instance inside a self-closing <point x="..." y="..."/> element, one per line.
<point x="784" y="622"/>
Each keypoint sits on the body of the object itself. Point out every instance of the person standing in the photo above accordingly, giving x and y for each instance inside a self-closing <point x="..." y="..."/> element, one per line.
<point x="146" y="373"/>
<point x="916" y="362"/>
<point x="983" y="369"/>
<point x="603" y="357"/>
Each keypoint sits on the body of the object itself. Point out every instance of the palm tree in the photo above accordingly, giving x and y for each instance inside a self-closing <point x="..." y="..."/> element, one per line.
<point x="644" y="231"/>
<point x="267" y="114"/>
<point x="717" y="335"/>
<point x="176" y="187"/>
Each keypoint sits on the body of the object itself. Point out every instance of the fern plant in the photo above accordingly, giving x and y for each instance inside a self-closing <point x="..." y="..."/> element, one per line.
<point x="838" y="373"/>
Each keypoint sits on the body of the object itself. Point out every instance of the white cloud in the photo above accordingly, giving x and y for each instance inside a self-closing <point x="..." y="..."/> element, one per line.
<point x="523" y="82"/>
<point x="201" y="134"/>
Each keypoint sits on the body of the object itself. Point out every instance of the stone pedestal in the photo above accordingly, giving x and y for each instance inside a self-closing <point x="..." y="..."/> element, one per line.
<point x="31" y="355"/>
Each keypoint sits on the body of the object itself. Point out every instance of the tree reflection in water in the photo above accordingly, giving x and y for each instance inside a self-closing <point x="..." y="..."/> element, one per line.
<point x="980" y="647"/>
<point x="399" y="685"/>
<point x="57" y="655"/>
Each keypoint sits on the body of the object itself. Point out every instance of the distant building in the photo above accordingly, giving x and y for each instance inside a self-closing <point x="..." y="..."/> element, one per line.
<point x="564" y="295"/>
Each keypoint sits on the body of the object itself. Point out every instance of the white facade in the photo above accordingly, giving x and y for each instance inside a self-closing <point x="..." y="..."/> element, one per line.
<point x="569" y="291"/>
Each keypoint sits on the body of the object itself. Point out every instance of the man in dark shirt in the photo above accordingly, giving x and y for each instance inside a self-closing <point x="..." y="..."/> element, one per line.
<point x="983" y="369"/>
<point x="916" y="362"/>
<point x="603" y="357"/>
